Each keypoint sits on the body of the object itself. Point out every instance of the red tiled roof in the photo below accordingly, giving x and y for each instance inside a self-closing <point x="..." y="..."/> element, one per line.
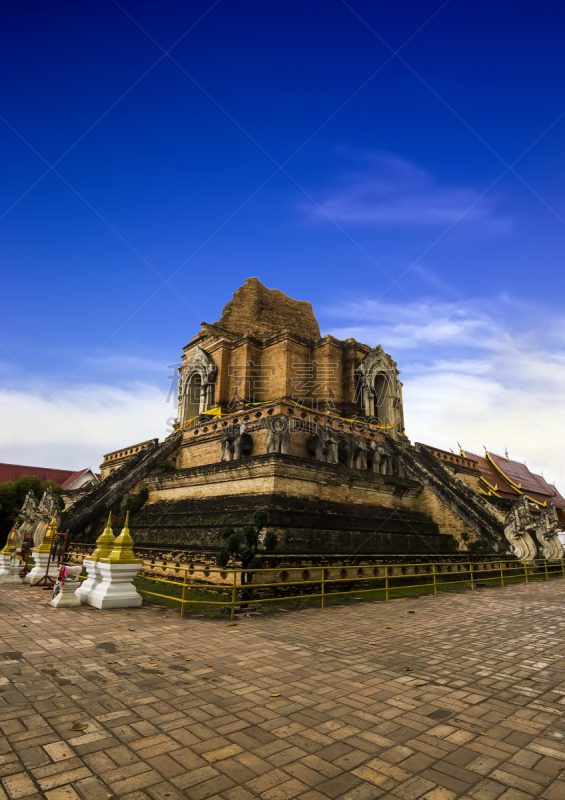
<point x="11" y="472"/>
<point x="72" y="478"/>
<point x="520" y="474"/>
<point x="535" y="486"/>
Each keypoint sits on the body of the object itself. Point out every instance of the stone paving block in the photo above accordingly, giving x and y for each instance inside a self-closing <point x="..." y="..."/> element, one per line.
<point x="372" y="775"/>
<point x="64" y="793"/>
<point x="166" y="766"/>
<point x="338" y="786"/>
<point x="349" y="722"/>
<point x="439" y="793"/>
<point x="140" y="781"/>
<point x="238" y="793"/>
<point x="413" y="788"/>
<point x="58" y="751"/>
<point x="60" y="778"/>
<point x="487" y="790"/>
<point x="516" y="794"/>
<point x="210" y="788"/>
<point x="92" y="789"/>
<point x="520" y="782"/>
<point x="165" y="791"/>
<point x="17" y="786"/>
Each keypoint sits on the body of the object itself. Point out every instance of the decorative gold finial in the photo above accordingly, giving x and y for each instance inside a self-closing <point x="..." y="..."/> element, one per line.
<point x="45" y="545"/>
<point x="123" y="548"/>
<point x="506" y="453"/>
<point x="105" y="542"/>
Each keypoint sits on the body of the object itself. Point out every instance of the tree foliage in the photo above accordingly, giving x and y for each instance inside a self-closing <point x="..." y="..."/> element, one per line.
<point x="480" y="547"/>
<point x="12" y="496"/>
<point x="242" y="549"/>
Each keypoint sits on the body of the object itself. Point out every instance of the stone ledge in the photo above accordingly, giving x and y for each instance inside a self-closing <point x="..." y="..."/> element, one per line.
<point x="278" y="464"/>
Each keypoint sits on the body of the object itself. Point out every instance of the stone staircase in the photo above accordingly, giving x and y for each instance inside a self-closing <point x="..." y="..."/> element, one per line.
<point x="469" y="506"/>
<point x="101" y="499"/>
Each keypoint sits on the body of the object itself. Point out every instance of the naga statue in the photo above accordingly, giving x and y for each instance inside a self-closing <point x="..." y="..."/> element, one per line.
<point x="519" y="529"/>
<point x="28" y="514"/>
<point x="48" y="506"/>
<point x="546" y="529"/>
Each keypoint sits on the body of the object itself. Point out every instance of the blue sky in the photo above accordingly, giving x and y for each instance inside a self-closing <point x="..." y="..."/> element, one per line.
<point x="399" y="165"/>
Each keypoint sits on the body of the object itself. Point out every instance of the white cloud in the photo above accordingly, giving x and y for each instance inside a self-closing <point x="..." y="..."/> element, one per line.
<point x="470" y="376"/>
<point x="81" y="424"/>
<point x="387" y="190"/>
<point x="412" y="325"/>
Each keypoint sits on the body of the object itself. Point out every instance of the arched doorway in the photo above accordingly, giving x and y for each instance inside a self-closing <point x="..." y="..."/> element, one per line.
<point x="382" y="398"/>
<point x="192" y="398"/>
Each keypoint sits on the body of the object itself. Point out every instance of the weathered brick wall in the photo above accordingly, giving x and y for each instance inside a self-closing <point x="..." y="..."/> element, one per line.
<point x="448" y="522"/>
<point x="261" y="312"/>
<point x="267" y="346"/>
<point x="320" y="375"/>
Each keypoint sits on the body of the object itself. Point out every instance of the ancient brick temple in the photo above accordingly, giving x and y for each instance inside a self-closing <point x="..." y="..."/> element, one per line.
<point x="273" y="415"/>
<point x="267" y="346"/>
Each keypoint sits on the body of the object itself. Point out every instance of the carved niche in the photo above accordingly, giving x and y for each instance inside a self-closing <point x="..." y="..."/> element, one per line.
<point x="378" y="387"/>
<point x="196" y="385"/>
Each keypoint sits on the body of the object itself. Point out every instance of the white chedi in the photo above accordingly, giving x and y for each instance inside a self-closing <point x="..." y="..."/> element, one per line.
<point x="113" y="586"/>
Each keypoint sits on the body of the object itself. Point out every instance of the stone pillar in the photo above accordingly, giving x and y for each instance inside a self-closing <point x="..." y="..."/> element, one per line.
<point x="41" y="558"/>
<point x="9" y="570"/>
<point x="368" y="401"/>
<point x="104" y="545"/>
<point x="117" y="571"/>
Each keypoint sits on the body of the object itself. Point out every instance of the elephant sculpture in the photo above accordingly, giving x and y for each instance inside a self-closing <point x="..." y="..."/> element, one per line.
<point x="236" y="443"/>
<point x="278" y="434"/>
<point x="323" y="446"/>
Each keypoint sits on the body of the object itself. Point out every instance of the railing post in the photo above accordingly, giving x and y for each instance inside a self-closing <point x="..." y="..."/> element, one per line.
<point x="501" y="574"/>
<point x="472" y="577"/>
<point x="323" y="588"/>
<point x="386" y="584"/>
<point x="526" y="570"/>
<point x="435" y="578"/>
<point x="234" y="586"/>
<point x="183" y="594"/>
<point x="545" y="565"/>
<point x="563" y="567"/>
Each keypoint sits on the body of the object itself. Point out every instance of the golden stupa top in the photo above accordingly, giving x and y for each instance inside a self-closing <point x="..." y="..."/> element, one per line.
<point x="45" y="546"/>
<point x="122" y="552"/>
<point x="105" y="542"/>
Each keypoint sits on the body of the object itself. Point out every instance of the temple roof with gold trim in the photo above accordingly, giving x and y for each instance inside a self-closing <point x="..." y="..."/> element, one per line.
<point x="508" y="479"/>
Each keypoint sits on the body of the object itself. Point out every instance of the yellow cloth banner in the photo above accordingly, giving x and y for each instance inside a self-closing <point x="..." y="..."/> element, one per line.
<point x="214" y="412"/>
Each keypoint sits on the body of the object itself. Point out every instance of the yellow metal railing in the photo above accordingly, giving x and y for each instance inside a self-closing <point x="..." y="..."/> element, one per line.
<point x="387" y="580"/>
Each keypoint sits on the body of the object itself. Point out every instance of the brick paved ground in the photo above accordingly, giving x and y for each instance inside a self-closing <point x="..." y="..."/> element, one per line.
<point x="185" y="708"/>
